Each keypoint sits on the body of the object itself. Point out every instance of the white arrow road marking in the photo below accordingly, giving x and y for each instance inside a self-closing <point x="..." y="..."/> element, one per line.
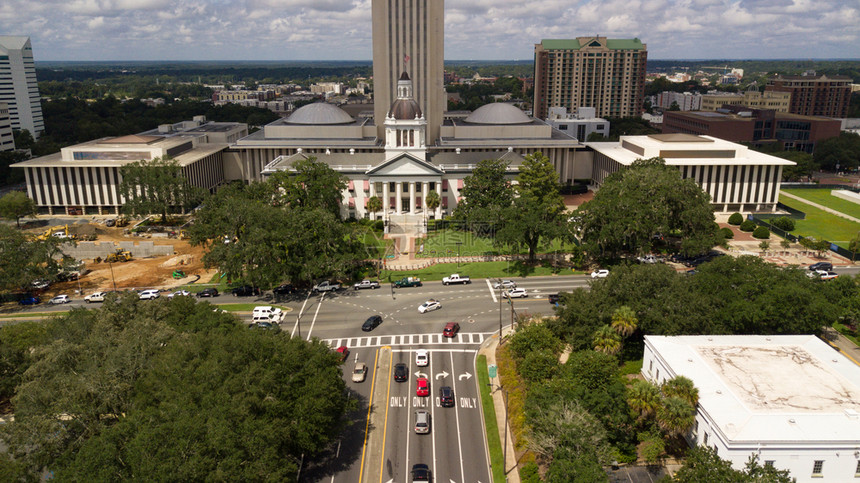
<point x="466" y="375"/>
<point x="442" y="374"/>
<point x="420" y="374"/>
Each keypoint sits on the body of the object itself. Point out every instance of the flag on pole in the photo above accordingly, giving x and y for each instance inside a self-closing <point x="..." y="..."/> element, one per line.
<point x="405" y="59"/>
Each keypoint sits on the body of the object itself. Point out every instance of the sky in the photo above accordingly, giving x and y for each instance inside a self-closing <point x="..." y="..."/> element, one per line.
<point x="474" y="29"/>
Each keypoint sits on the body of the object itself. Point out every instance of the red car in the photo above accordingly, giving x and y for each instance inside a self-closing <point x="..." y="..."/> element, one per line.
<point x="423" y="387"/>
<point x="344" y="352"/>
<point x="451" y="329"/>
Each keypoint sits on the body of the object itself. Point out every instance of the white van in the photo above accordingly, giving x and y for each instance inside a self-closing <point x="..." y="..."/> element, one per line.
<point x="266" y="313"/>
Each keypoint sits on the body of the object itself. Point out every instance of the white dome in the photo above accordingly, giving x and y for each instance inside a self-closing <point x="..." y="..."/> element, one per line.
<point x="319" y="113"/>
<point x="498" y="113"/>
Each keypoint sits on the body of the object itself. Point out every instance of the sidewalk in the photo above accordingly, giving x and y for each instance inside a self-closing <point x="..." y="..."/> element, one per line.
<point x="488" y="349"/>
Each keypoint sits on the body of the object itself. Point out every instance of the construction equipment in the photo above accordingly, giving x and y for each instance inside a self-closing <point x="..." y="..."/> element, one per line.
<point x="119" y="256"/>
<point x="122" y="221"/>
<point x="58" y="232"/>
<point x="178" y="274"/>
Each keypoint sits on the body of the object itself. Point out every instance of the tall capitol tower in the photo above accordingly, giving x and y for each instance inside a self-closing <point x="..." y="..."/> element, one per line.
<point x="408" y="35"/>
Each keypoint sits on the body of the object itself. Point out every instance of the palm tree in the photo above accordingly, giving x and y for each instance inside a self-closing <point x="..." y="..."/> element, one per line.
<point x="681" y="387"/>
<point x="607" y="340"/>
<point x="374" y="204"/>
<point x="643" y="397"/>
<point x="433" y="201"/>
<point x="675" y="416"/>
<point x="624" y="321"/>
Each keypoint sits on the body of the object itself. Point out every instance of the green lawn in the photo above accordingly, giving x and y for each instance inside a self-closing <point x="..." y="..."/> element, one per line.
<point x="448" y="243"/>
<point x="475" y="270"/>
<point x="493" y="440"/>
<point x="824" y="198"/>
<point x="822" y="225"/>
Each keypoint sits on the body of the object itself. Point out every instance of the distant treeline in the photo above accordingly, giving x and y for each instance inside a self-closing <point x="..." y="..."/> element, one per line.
<point x="850" y="68"/>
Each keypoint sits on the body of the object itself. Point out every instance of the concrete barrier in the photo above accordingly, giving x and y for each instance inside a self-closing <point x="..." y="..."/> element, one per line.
<point x="91" y="250"/>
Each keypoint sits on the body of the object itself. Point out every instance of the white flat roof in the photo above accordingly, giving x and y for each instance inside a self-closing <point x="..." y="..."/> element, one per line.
<point x="785" y="389"/>
<point x="652" y="146"/>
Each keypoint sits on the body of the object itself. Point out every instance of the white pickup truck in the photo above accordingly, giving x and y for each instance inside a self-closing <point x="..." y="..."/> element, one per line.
<point x="455" y="278"/>
<point x="326" y="286"/>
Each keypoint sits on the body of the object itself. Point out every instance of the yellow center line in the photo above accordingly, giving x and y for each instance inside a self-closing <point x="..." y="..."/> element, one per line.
<point x="387" y="407"/>
<point x="369" y="409"/>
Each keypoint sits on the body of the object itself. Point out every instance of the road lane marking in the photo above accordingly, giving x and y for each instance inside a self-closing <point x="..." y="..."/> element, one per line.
<point x="369" y="409"/>
<point x="492" y="292"/>
<point x="293" y="333"/>
<point x="313" y="322"/>
<point x="432" y="418"/>
<point x="457" y="415"/>
<point x="385" y="422"/>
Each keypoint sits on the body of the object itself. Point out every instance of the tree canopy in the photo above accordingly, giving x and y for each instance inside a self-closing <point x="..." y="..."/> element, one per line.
<point x="310" y="185"/>
<point x="23" y="260"/>
<point x="842" y="151"/>
<point x="15" y="205"/>
<point x="487" y="193"/>
<point x="638" y="202"/>
<point x="173" y="391"/>
<point x="156" y="186"/>
<point x="703" y="464"/>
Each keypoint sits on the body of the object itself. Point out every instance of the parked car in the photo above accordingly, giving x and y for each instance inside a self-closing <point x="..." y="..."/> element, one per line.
<point x="326" y="286"/>
<point x="371" y="284"/>
<point x="40" y="284"/>
<point x="429" y="306"/>
<point x="29" y="300"/>
<point x="826" y="266"/>
<point x="601" y="273"/>
<point x="262" y="325"/>
<point x="61" y="299"/>
<point x="208" y="292"/>
<point x="95" y="297"/>
<point x="359" y="374"/>
<point x="446" y="396"/>
<point x="284" y="289"/>
<point x="421" y="472"/>
<point x="423" y="387"/>
<point x="371" y="323"/>
<point x="506" y="284"/>
<point x="422" y="358"/>
<point x="179" y="293"/>
<point x="422" y="421"/>
<point x="401" y="372"/>
<point x="650" y="259"/>
<point x="516" y="293"/>
<point x="110" y="222"/>
<point x="149" y="294"/>
<point x="344" y="352"/>
<point x="245" y="291"/>
<point x="451" y="329"/>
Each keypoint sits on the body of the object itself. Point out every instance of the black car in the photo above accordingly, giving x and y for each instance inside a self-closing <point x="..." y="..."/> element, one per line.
<point x="208" y="292"/>
<point x="371" y="323"/>
<point x="401" y="372"/>
<point x="826" y="266"/>
<point x="284" y="289"/>
<point x="421" y="472"/>
<point x="245" y="291"/>
<point x="446" y="396"/>
<point x="553" y="298"/>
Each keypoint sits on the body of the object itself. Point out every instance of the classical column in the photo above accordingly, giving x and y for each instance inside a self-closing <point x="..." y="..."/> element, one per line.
<point x="439" y="192"/>
<point x="398" y="194"/>
<point x="386" y="200"/>
<point x="411" y="198"/>
<point x="425" y="188"/>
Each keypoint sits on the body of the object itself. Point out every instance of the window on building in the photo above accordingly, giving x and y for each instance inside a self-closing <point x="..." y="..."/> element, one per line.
<point x="817" y="467"/>
<point x="857" y="470"/>
<point x="705" y="440"/>
<point x="768" y="463"/>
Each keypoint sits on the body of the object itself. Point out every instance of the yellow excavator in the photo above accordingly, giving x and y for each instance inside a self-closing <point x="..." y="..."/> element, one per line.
<point x="59" y="232"/>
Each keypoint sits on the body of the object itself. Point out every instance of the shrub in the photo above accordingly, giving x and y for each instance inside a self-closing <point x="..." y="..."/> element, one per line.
<point x="530" y="473"/>
<point x="727" y="233"/>
<point x="761" y="233"/>
<point x="736" y="219"/>
<point x="747" y="225"/>
<point x="783" y="223"/>
<point x="538" y="365"/>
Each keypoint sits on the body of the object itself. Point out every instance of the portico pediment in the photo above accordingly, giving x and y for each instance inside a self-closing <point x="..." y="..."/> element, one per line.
<point x="405" y="165"/>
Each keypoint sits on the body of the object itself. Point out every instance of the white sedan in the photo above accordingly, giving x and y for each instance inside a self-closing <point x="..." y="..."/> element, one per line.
<point x="429" y="306"/>
<point x="602" y="273"/>
<point x="184" y="293"/>
<point x="61" y="299"/>
<point x="516" y="293"/>
<point x="505" y="284"/>
<point x="422" y="358"/>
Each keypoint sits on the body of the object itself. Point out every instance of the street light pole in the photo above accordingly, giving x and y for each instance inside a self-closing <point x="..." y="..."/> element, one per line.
<point x="500" y="310"/>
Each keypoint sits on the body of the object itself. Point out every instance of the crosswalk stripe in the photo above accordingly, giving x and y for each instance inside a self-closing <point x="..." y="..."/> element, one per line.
<point x="463" y="338"/>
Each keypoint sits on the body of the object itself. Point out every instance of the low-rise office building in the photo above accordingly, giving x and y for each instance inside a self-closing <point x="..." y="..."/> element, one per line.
<point x="791" y="400"/>
<point x="752" y="98"/>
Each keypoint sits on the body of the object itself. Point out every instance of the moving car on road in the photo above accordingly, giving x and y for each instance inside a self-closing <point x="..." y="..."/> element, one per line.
<point x="446" y="396"/>
<point x="421" y="472"/>
<point x="429" y="306"/>
<point x="826" y="266"/>
<point x="401" y="372"/>
<point x="95" y="297"/>
<point x="455" y="278"/>
<point x="506" y="284"/>
<point x="451" y="329"/>
<point x="344" y="352"/>
<point x="822" y="275"/>
<point x="601" y="273"/>
<point x="371" y="323"/>
<point x="422" y="421"/>
<point x="267" y="313"/>
<point x="423" y="387"/>
<point x="371" y="284"/>
<point x="422" y="358"/>
<point x="180" y="293"/>
<point x="61" y="299"/>
<point x="208" y="292"/>
<point x="516" y="293"/>
<point x="407" y="282"/>
<point x="554" y="298"/>
<point x="360" y="372"/>
<point x="326" y="286"/>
